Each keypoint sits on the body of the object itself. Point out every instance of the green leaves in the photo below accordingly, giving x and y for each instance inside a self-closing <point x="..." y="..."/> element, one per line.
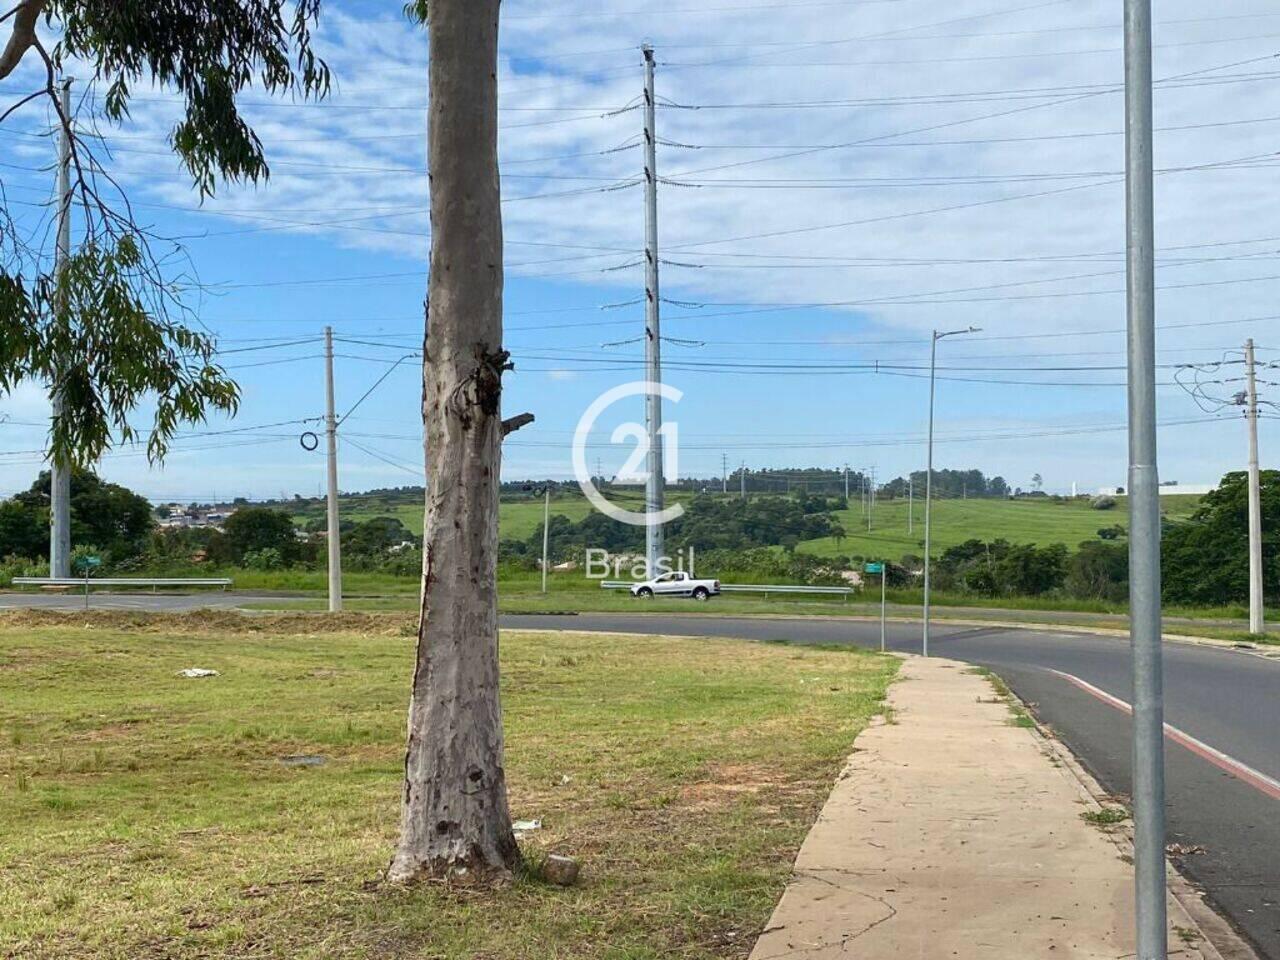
<point x="92" y="333"/>
<point x="209" y="51"/>
<point x="102" y="330"/>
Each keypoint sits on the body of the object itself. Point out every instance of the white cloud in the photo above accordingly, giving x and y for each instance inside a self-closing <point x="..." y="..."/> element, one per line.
<point x="923" y="78"/>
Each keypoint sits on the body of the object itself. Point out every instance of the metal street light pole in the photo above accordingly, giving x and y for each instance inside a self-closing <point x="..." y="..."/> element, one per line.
<point x="1144" y="490"/>
<point x="928" y="476"/>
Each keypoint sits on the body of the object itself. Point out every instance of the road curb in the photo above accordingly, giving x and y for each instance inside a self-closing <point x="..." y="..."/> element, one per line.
<point x="1219" y="940"/>
<point x="1262" y="652"/>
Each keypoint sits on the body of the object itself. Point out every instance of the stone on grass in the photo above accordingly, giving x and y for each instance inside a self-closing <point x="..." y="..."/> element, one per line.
<point x="561" y="870"/>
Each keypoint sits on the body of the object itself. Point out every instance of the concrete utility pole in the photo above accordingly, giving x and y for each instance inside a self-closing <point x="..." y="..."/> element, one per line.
<point x="1256" y="624"/>
<point x="1144" y="496"/>
<point x="546" y="526"/>
<point x="654" y="492"/>
<point x="59" y="469"/>
<point x="928" y="475"/>
<point x="724" y="473"/>
<point x="871" y="497"/>
<point x="742" y="479"/>
<point x="331" y="431"/>
<point x="846" y="484"/>
<point x="911" y="502"/>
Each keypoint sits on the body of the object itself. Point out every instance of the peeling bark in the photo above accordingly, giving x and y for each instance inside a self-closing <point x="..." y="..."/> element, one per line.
<point x="455" y="817"/>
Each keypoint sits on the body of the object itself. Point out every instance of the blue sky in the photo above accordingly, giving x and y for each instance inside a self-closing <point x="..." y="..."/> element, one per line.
<point x="976" y="183"/>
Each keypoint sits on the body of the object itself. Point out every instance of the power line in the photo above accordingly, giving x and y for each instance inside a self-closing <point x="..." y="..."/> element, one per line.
<point x="1031" y="55"/>
<point x="1043" y="31"/>
<point x="950" y="208"/>
<point x="862" y="141"/>
<point x="419" y="473"/>
<point x="974" y="96"/>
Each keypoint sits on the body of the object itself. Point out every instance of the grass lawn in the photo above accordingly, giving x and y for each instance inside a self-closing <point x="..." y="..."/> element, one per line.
<point x="151" y="816"/>
<point x="1039" y="521"/>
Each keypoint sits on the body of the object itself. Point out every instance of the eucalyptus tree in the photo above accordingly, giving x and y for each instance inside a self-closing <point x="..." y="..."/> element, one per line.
<point x="113" y="327"/>
<point x="455" y="815"/>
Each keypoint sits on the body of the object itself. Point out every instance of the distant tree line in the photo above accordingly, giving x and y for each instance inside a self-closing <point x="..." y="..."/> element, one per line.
<point x="116" y="525"/>
<point x="707" y="524"/>
<point x="1204" y="558"/>
<point x="824" y="481"/>
<point x="111" y="518"/>
<point x="948" y="484"/>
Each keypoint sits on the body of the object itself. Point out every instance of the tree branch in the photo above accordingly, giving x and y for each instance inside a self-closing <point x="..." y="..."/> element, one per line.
<point x="13" y="108"/>
<point x="512" y="424"/>
<point x="23" y="37"/>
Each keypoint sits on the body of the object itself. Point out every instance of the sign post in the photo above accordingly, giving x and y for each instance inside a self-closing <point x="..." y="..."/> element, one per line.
<point x="87" y="564"/>
<point x="881" y="568"/>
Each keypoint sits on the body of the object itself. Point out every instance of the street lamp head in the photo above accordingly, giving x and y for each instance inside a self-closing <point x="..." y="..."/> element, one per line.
<point x="955" y="333"/>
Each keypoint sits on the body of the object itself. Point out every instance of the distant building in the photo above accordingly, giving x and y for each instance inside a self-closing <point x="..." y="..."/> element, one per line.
<point x="1172" y="489"/>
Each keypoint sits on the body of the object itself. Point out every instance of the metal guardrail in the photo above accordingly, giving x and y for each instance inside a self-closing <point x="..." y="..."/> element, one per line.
<point x="765" y="588"/>
<point x="152" y="582"/>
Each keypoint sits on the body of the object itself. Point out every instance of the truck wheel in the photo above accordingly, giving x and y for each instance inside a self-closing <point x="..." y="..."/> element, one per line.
<point x="644" y="593"/>
<point x="701" y="593"/>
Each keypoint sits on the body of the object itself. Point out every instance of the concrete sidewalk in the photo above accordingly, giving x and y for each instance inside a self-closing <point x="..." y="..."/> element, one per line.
<point x="953" y="833"/>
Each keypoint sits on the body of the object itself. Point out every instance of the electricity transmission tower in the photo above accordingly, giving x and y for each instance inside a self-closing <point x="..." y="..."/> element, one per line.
<point x="654" y="492"/>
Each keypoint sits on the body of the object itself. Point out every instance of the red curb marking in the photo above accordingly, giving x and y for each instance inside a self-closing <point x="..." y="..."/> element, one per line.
<point x="1241" y="771"/>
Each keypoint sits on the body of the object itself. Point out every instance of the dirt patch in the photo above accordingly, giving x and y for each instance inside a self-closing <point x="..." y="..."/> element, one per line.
<point x="111" y="731"/>
<point x="219" y="621"/>
<point x="725" y="783"/>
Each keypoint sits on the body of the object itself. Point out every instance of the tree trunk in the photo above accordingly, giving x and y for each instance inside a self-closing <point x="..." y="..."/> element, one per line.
<point x="455" y="816"/>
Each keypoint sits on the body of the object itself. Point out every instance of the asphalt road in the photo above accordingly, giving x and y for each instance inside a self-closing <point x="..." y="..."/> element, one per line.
<point x="1222" y="763"/>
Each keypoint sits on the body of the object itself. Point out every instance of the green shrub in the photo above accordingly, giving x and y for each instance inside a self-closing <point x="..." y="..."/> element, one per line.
<point x="268" y="558"/>
<point x="11" y="567"/>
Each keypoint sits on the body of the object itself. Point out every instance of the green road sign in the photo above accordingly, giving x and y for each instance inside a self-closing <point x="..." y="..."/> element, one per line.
<point x="89" y="562"/>
<point x="874" y="568"/>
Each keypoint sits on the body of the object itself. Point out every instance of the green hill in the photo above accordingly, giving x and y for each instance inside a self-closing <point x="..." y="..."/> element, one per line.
<point x="1031" y="520"/>
<point x="517" y="520"/>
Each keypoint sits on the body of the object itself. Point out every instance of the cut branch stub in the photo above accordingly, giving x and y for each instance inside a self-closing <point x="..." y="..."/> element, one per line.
<point x="512" y="424"/>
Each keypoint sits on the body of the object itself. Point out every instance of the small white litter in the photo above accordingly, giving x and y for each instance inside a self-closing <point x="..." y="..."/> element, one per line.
<point x="521" y="827"/>
<point x="193" y="673"/>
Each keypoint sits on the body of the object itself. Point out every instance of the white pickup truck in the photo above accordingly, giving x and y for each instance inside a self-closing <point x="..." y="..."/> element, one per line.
<point x="676" y="584"/>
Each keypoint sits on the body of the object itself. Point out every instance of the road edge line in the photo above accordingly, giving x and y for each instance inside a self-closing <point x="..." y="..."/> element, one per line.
<point x="1216" y="932"/>
<point x="1223" y="761"/>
